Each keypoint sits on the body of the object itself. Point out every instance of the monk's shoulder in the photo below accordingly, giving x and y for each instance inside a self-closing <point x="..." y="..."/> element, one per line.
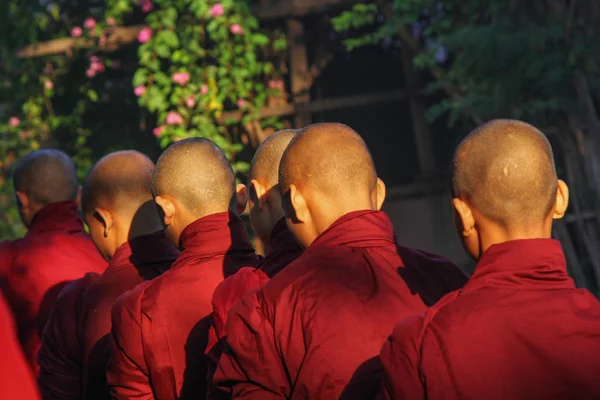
<point x="127" y="308"/>
<point x="234" y="287"/>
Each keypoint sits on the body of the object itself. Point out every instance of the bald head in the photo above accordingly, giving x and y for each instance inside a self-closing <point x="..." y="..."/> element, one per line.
<point x="265" y="163"/>
<point x="46" y="176"/>
<point x="505" y="169"/>
<point x="197" y="173"/>
<point x="329" y="157"/>
<point x="119" y="181"/>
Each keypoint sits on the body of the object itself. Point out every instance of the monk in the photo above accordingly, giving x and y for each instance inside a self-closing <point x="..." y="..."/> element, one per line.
<point x="519" y="329"/>
<point x="56" y="249"/>
<point x="16" y="380"/>
<point x="160" y="328"/>
<point x="314" y="330"/>
<point x="268" y="222"/>
<point x="125" y="226"/>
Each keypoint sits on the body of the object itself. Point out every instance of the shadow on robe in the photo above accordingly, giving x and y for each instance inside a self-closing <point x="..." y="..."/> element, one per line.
<point x="47" y="305"/>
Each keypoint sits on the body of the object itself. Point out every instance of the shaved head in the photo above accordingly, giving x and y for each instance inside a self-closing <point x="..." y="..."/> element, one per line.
<point x="505" y="170"/>
<point x="330" y="158"/>
<point x="47" y="176"/>
<point x="265" y="163"/>
<point x="120" y="181"/>
<point x="197" y="173"/>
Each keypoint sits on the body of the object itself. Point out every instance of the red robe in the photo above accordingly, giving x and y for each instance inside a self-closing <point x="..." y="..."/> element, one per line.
<point x="314" y="330"/>
<point x="55" y="251"/>
<point x="16" y="380"/>
<point x="160" y="328"/>
<point x="282" y="250"/>
<point x="74" y="349"/>
<point x="518" y="330"/>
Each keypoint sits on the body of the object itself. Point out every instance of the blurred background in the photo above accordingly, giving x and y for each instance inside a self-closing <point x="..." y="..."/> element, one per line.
<point x="411" y="76"/>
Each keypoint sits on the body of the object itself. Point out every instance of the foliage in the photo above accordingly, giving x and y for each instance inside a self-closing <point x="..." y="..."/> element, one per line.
<point x="494" y="58"/>
<point x="196" y="61"/>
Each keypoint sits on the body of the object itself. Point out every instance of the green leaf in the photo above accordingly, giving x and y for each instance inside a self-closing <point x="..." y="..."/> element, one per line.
<point x="92" y="95"/>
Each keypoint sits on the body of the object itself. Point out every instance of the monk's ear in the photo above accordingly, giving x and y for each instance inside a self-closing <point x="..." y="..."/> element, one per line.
<point x="167" y="207"/>
<point x="381" y="193"/>
<point x="78" y="197"/>
<point x="241" y="198"/>
<point x="257" y="193"/>
<point x="562" y="200"/>
<point x="465" y="223"/>
<point x="298" y="205"/>
<point x="22" y="200"/>
<point x="105" y="218"/>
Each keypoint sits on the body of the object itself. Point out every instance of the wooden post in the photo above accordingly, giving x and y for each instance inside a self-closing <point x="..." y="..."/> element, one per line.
<point x="417" y="111"/>
<point x="300" y="77"/>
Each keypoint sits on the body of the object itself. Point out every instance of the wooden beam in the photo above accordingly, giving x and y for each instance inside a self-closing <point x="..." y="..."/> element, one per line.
<point x="115" y="39"/>
<point x="272" y="9"/>
<point x="300" y="76"/>
<point x="322" y="105"/>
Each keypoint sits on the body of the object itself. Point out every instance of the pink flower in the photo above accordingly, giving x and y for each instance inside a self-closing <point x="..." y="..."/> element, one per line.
<point x="236" y="29"/>
<point x="144" y="35"/>
<point x="216" y="10"/>
<point x="14" y="122"/>
<point x="139" y="90"/>
<point x="90" y="73"/>
<point x="49" y="85"/>
<point x="89" y="23"/>
<point x="94" y="59"/>
<point x="174" y="119"/>
<point x="110" y="21"/>
<point x="203" y="89"/>
<point x="158" y="131"/>
<point x="241" y="103"/>
<point x="181" y="77"/>
<point x="146" y="5"/>
<point x="272" y="84"/>
<point x="77" y="31"/>
<point x="190" y="101"/>
<point x="102" y="40"/>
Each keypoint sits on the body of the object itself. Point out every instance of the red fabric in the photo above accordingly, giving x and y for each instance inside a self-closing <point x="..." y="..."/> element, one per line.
<point x="518" y="330"/>
<point x="315" y="329"/>
<point x="56" y="250"/>
<point x="16" y="379"/>
<point x="60" y="358"/>
<point x="282" y="250"/>
<point x="160" y="329"/>
<point x="74" y="349"/>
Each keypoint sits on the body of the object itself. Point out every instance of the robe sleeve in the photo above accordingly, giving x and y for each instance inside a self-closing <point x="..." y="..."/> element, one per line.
<point x="250" y="366"/>
<point x="16" y="379"/>
<point x="126" y="372"/>
<point x="60" y="354"/>
<point x="400" y="361"/>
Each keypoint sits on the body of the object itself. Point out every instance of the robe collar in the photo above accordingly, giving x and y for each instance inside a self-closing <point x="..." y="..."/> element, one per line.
<point x="282" y="249"/>
<point x="155" y="248"/>
<point x="215" y="235"/>
<point x="522" y="264"/>
<point x="62" y="216"/>
<point x="365" y="228"/>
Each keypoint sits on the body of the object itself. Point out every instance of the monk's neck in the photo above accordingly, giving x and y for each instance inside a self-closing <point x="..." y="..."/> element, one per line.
<point x="495" y="234"/>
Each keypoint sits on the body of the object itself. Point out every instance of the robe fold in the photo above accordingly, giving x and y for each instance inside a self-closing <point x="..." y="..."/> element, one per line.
<point x="314" y="330"/>
<point x="160" y="328"/>
<point x="16" y="380"/>
<point x="55" y="251"/>
<point x="282" y="250"/>
<point x="519" y="329"/>
<point x="84" y="311"/>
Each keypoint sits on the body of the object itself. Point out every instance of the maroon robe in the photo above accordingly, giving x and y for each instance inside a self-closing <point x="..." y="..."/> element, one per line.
<point x="160" y="328"/>
<point x="282" y="250"/>
<point x="16" y="380"/>
<point x="314" y="330"/>
<point x="74" y="349"/>
<point x="518" y="330"/>
<point x="55" y="251"/>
